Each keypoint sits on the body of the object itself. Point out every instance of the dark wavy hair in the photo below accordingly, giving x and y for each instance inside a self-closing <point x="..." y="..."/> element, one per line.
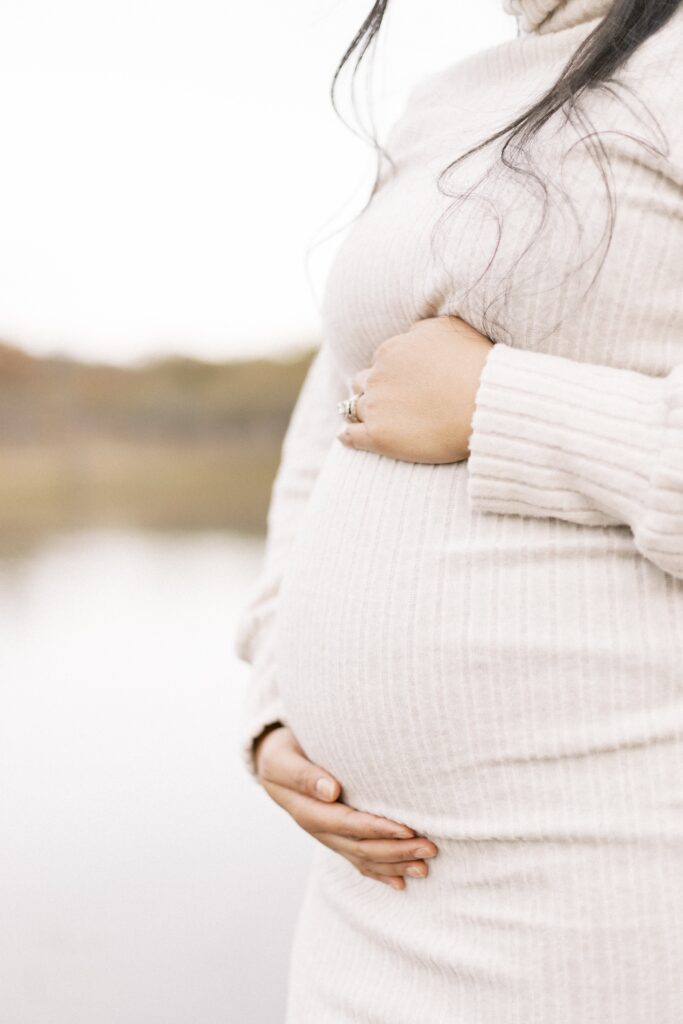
<point x="623" y="29"/>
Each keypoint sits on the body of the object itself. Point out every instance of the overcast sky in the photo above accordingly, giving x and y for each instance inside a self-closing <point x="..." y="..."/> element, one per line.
<point x="166" y="164"/>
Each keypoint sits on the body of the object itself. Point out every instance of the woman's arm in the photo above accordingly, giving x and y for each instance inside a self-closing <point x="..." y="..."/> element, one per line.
<point x="591" y="444"/>
<point x="545" y="436"/>
<point x="377" y="847"/>
<point x="311" y="430"/>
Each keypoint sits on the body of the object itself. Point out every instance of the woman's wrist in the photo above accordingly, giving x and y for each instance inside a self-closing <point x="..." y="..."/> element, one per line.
<point x="261" y="736"/>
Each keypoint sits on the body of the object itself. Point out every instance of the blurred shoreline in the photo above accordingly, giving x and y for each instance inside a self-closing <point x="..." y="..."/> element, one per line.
<point x="177" y="444"/>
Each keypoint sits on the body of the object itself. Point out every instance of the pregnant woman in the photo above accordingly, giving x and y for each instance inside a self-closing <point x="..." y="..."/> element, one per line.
<point x="469" y="623"/>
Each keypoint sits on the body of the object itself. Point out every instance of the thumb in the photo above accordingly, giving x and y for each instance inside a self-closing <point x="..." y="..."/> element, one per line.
<point x="309" y="778"/>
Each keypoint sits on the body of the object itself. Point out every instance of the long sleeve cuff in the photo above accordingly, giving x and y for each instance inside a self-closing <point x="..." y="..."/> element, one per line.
<point x="262" y="706"/>
<point x="555" y="437"/>
<point x="254" y="726"/>
<point x="262" y="703"/>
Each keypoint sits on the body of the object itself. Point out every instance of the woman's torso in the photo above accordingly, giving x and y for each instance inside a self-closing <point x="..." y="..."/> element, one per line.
<point x="446" y="665"/>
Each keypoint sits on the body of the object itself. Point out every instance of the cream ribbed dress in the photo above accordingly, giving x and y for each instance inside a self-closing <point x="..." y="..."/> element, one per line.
<point x="492" y="651"/>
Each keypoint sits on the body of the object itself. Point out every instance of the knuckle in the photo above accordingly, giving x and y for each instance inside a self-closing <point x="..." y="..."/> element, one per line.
<point x="348" y="829"/>
<point x="383" y="348"/>
<point x="380" y="855"/>
<point x="301" y="778"/>
<point x="380" y="435"/>
<point x="368" y="400"/>
<point x="375" y="831"/>
<point x="368" y="380"/>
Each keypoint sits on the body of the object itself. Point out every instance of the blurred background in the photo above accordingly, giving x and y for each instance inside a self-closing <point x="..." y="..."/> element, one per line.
<point x="173" y="186"/>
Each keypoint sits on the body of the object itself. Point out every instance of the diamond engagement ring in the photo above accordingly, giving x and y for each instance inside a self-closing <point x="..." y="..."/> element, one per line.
<point x="347" y="408"/>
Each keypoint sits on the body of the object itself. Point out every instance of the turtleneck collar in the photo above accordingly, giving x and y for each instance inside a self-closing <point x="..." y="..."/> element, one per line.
<point x="554" y="15"/>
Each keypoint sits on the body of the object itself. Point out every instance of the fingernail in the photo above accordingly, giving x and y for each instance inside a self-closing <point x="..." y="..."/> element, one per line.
<point x="415" y="871"/>
<point x="325" y="788"/>
<point x="423" y="851"/>
<point x="395" y="884"/>
<point x="403" y="833"/>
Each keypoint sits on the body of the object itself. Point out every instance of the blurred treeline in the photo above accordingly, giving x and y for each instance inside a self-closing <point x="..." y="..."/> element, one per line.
<point x="173" y="444"/>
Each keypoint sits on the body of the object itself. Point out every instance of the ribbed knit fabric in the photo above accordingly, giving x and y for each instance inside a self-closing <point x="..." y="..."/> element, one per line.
<point x="550" y="16"/>
<point x="492" y="651"/>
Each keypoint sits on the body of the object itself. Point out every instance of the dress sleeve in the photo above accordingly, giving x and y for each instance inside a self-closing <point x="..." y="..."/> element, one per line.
<point x="591" y="444"/>
<point x="312" y="428"/>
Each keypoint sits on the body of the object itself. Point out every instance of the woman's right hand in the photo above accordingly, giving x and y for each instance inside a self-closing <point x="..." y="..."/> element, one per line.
<point x="378" y="847"/>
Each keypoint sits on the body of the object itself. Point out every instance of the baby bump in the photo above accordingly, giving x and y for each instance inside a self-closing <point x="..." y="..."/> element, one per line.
<point x="444" y="664"/>
<point x="359" y="664"/>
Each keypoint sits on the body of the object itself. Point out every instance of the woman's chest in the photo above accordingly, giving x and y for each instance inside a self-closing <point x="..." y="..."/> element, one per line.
<point x="551" y="256"/>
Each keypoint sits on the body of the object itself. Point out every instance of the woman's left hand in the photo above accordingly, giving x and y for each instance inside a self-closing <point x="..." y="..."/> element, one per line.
<point x="418" y="395"/>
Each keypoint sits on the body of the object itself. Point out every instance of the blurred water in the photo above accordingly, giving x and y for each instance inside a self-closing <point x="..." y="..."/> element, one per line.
<point x="145" y="878"/>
